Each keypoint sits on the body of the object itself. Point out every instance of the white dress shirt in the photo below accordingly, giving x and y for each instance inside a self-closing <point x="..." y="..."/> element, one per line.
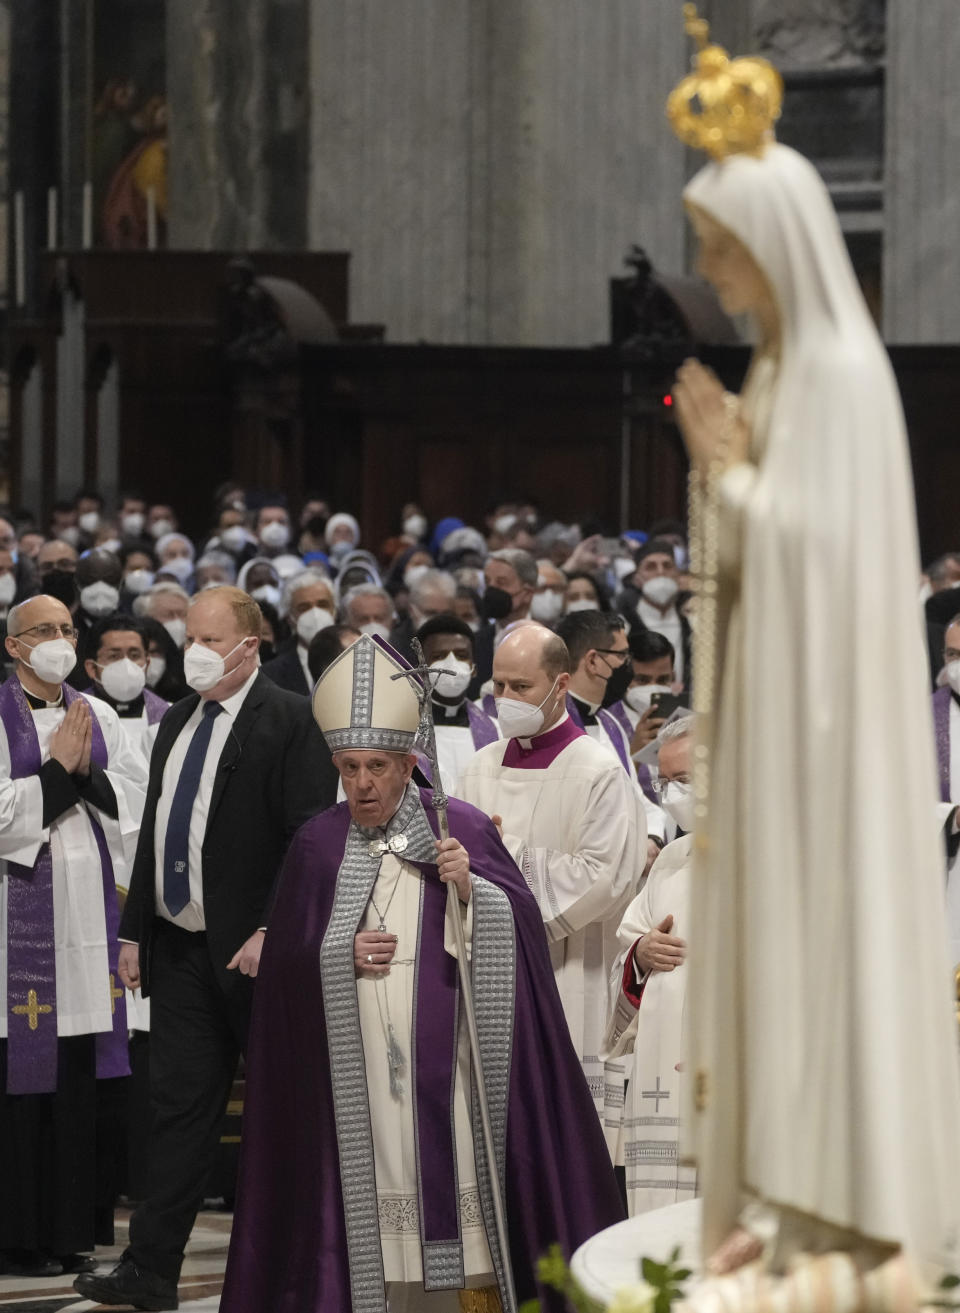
<point x="221" y="744"/>
<point x="302" y="654"/>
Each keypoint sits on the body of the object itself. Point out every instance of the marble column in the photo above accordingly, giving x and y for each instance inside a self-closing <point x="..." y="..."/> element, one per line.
<point x="237" y="83"/>
<point x="921" y="252"/>
<point x="489" y="162"/>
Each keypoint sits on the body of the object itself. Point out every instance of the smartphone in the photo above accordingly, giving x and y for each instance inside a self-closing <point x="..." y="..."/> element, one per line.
<point x="663" y="705"/>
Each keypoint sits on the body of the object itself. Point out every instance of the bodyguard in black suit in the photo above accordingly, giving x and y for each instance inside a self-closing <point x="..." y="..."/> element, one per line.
<point x="233" y="774"/>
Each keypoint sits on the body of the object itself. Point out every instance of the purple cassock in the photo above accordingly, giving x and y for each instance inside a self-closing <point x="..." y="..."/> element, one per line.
<point x="306" y="1234"/>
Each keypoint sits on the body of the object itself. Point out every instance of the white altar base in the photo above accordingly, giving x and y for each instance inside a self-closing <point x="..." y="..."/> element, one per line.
<point x="611" y="1259"/>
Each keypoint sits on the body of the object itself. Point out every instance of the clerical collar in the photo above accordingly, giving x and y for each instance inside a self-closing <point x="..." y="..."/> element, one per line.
<point x="588" y="710"/>
<point x="541" y="740"/>
<point x="125" y="710"/>
<point x="447" y="715"/>
<point x="40" y="704"/>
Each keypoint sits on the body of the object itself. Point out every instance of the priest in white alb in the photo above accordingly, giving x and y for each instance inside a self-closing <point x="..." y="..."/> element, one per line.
<point x="574" y="823"/>
<point x="71" y="797"/>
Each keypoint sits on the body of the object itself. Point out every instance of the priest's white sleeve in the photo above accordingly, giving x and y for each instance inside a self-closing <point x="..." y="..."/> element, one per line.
<point x="127" y="773"/>
<point x="575" y="889"/>
<point x="638" y="920"/>
<point x="22" y="833"/>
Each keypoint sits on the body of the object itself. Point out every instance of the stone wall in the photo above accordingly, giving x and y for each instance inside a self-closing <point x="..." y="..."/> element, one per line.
<point x="489" y="162"/>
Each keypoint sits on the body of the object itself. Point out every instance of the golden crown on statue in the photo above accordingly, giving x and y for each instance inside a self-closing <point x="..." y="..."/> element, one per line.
<point x="725" y="106"/>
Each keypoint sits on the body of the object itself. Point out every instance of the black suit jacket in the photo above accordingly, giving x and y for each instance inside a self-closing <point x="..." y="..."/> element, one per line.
<point x="286" y="672"/>
<point x="275" y="772"/>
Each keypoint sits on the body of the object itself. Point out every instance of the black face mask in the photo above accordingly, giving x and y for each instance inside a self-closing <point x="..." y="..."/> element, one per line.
<point x="316" y="525"/>
<point x="496" y="604"/>
<point x="61" y="585"/>
<point x="618" y="683"/>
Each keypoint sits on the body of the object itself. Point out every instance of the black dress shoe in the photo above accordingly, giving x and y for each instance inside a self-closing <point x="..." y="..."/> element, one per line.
<point x="30" y="1263"/>
<point x="71" y="1263"/>
<point x="129" y="1284"/>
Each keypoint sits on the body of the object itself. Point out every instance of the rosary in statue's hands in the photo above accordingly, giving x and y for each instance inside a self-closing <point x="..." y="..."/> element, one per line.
<point x="700" y="405"/>
<point x="453" y="863"/>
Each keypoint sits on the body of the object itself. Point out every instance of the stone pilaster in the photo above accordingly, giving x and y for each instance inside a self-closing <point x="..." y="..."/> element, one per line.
<point x="921" y="250"/>
<point x="489" y="162"/>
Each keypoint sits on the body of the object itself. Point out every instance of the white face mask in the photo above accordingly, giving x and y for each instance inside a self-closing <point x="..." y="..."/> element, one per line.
<point x="181" y="567"/>
<point x="132" y="523"/>
<point x="160" y="527"/>
<point x="89" y="521"/>
<point x="111" y="545"/>
<point x="950" y="674"/>
<point x="123" y="680"/>
<point x="339" y="550"/>
<point x="71" y="535"/>
<point x="376" y="630"/>
<point x="203" y="668"/>
<point x="52" y="660"/>
<point x="310" y="623"/>
<point x="660" y="590"/>
<point x="267" y="593"/>
<point x="100" y="598"/>
<point x="8" y="589"/>
<point x="453" y="685"/>
<point x="177" y="629"/>
<point x="519" y="720"/>
<point x="504" y="523"/>
<point x="139" y="581"/>
<point x="275" y="534"/>
<point x="547" y="606"/>
<point x="624" y="567"/>
<point x="234" y="539"/>
<point x="413" y="573"/>
<point x="677" y="801"/>
<point x="156" y="669"/>
<point x="581" y="604"/>
<point x="415" y="526"/>
<point x="638" y="696"/>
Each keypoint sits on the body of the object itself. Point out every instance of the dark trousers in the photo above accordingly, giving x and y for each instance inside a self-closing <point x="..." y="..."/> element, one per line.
<point x="197" y="1033"/>
<point x="48" y="1156"/>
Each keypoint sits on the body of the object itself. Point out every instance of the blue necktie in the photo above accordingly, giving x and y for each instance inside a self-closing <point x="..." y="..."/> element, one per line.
<point x="176" y="848"/>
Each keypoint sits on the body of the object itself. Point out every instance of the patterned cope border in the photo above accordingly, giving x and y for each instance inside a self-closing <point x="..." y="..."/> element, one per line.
<point x="493" y="972"/>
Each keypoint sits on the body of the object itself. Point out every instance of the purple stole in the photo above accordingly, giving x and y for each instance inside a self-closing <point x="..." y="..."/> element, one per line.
<point x="481" y="731"/>
<point x="619" y="714"/>
<point x="941" y="724"/>
<point x="612" y="729"/>
<point x="31" y="956"/>
<point x="156" y="707"/>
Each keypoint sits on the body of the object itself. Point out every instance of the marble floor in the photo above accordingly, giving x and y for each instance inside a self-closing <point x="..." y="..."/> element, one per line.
<point x="200" y="1281"/>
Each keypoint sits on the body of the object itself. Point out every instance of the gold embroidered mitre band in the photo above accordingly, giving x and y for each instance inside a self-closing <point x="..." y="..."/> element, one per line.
<point x="725" y="106"/>
<point x="358" y="704"/>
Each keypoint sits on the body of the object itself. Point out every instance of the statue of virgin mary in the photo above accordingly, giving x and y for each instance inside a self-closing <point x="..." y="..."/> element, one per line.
<point x="823" y="1050"/>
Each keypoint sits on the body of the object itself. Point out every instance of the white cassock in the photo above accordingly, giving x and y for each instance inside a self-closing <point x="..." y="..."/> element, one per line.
<point x="659" y="825"/>
<point x="140" y="736"/>
<point x="83" y="980"/>
<point x="576" y="829"/>
<point x="823" y="1043"/>
<point x="651" y="1039"/>
<point x="385" y="1002"/>
<point x="456" y="745"/>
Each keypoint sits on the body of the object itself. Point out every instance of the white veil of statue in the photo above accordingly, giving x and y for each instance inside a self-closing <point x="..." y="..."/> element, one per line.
<point x="819" y="993"/>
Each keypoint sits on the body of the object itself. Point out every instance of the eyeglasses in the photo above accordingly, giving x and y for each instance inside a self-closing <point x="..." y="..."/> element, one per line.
<point x="614" y="651"/>
<point x="45" y="631"/>
<point x="659" y="785"/>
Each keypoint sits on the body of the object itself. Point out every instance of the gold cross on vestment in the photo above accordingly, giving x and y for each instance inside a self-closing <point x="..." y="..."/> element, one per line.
<point x="115" y="992"/>
<point x="31" y="1009"/>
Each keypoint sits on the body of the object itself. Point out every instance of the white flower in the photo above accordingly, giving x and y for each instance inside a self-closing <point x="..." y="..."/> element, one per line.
<point x="636" y="1298"/>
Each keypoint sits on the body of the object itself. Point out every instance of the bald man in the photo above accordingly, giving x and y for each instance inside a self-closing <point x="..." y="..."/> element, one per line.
<point x="71" y="798"/>
<point x="574" y="823"/>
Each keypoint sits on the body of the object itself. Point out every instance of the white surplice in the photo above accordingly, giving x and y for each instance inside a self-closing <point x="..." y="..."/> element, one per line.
<point x="819" y="1002"/>
<point x="84" y="1004"/>
<point x="650" y="1038"/>
<point x="388" y="1001"/>
<point x="577" y="830"/>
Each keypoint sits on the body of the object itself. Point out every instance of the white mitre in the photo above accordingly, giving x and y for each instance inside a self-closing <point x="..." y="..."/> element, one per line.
<point x="358" y="704"/>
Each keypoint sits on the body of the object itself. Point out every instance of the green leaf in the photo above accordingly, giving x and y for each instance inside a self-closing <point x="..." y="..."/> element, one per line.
<point x="683" y="1274"/>
<point x="530" y="1306"/>
<point x="655" y="1273"/>
<point x="950" y="1282"/>
<point x="674" y="1253"/>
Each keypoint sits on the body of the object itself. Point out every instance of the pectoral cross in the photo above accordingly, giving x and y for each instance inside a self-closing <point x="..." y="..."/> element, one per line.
<point x="115" y="992"/>
<point x="656" y="1094"/>
<point x="31" y="1009"/>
